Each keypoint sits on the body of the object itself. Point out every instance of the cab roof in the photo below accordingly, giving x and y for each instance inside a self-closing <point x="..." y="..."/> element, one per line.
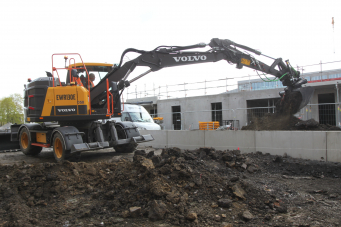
<point x="93" y="66"/>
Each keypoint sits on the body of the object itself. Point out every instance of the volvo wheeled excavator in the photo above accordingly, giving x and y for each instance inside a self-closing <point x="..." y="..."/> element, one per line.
<point x="72" y="116"/>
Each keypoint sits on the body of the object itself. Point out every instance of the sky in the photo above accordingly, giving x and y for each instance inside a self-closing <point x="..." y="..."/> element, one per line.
<point x="31" y="31"/>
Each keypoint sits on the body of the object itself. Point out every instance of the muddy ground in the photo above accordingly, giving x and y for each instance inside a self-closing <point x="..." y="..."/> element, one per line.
<point x="203" y="187"/>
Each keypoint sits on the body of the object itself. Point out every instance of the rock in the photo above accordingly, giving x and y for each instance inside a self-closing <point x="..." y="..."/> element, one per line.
<point x="75" y="172"/>
<point x="230" y="164"/>
<point x="251" y="169"/>
<point x="226" y="203"/>
<point x="333" y="196"/>
<point x="214" y="205"/>
<point x="125" y="214"/>
<point x="135" y="211"/>
<point x="191" y="184"/>
<point x="38" y="192"/>
<point x="140" y="152"/>
<point x="227" y="157"/>
<point x="90" y="170"/>
<point x="191" y="216"/>
<point x="156" y="160"/>
<point x="244" y="166"/>
<point x="246" y="215"/>
<point x="166" y="169"/>
<point x="157" y="210"/>
<point x="217" y="218"/>
<point x="116" y="220"/>
<point x="144" y="162"/>
<point x="174" y="152"/>
<point x="202" y="154"/>
<point x="189" y="156"/>
<point x="207" y="150"/>
<point x="173" y="198"/>
<point x="267" y="217"/>
<point x="150" y="154"/>
<point x="184" y="198"/>
<point x="282" y="209"/>
<point x="238" y="191"/>
<point x="248" y="161"/>
<point x="158" y="189"/>
<point x="234" y="178"/>
<point x="278" y="159"/>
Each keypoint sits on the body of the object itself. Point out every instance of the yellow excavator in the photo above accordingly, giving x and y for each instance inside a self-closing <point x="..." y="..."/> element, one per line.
<point x="72" y="116"/>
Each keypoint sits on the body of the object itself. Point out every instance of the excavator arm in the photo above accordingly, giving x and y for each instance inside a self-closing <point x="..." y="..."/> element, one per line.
<point x="220" y="49"/>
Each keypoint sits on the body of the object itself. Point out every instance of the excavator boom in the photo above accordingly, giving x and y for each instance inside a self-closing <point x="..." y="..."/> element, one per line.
<point x="221" y="49"/>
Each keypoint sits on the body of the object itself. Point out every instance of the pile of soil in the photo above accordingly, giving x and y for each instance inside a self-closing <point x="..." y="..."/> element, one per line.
<point x="287" y="122"/>
<point x="284" y="118"/>
<point x="203" y="187"/>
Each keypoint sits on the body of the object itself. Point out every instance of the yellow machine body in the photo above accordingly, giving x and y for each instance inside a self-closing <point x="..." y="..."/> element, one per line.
<point x="66" y="101"/>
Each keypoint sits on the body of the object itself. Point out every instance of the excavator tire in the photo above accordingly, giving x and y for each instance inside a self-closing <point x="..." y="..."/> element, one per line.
<point x="124" y="148"/>
<point x="25" y="143"/>
<point x="59" y="151"/>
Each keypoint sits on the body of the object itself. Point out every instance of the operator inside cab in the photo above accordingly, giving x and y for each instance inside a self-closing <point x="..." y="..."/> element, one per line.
<point x="92" y="79"/>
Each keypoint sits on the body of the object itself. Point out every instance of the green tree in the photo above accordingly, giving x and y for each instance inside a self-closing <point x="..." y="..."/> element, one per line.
<point x="11" y="109"/>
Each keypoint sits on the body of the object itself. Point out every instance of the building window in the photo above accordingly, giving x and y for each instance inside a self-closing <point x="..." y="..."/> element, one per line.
<point x="176" y="112"/>
<point x="217" y="113"/>
<point x="153" y="113"/>
<point x="316" y="78"/>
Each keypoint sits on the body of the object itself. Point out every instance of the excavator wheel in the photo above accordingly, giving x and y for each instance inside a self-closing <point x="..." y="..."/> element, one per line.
<point x="124" y="148"/>
<point x="59" y="151"/>
<point x="25" y="143"/>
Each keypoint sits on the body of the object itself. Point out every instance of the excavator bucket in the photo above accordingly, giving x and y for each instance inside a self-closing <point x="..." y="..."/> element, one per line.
<point x="306" y="93"/>
<point x="5" y="142"/>
<point x="292" y="101"/>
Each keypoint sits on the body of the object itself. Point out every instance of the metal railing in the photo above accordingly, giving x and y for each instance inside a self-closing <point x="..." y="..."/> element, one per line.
<point x="227" y="84"/>
<point x="324" y="113"/>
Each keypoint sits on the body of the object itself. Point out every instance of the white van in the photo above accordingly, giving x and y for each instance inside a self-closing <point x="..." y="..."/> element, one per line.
<point x="139" y="115"/>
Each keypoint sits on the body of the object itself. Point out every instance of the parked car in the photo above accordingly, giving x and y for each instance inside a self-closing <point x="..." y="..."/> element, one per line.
<point x="139" y="115"/>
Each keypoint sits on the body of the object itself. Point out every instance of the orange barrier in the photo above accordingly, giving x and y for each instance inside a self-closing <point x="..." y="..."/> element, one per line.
<point x="211" y="125"/>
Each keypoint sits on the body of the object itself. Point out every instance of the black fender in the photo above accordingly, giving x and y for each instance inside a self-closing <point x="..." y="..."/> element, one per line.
<point x="129" y="128"/>
<point x="70" y="135"/>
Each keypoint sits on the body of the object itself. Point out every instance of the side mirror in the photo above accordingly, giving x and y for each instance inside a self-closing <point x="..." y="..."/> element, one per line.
<point x="74" y="73"/>
<point x="48" y="74"/>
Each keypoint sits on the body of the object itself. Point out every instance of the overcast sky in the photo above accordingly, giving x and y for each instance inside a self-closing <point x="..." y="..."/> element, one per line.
<point x="31" y="31"/>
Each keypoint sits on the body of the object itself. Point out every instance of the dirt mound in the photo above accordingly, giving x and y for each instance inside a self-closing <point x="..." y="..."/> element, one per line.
<point x="273" y="122"/>
<point x="278" y="121"/>
<point x="203" y="187"/>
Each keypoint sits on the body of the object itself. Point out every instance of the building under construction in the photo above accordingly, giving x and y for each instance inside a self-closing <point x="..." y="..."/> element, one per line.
<point x="252" y="98"/>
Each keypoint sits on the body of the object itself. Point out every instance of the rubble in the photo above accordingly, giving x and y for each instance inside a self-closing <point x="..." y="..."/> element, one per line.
<point x="176" y="188"/>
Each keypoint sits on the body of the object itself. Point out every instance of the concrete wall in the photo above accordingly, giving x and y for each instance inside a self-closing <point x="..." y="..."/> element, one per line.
<point x="297" y="144"/>
<point x="325" y="146"/>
